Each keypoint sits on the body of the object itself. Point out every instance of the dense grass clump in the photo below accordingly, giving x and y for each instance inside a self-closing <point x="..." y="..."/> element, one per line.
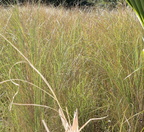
<point x="91" y="58"/>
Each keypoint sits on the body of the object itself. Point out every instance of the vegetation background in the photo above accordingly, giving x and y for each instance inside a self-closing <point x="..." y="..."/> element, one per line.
<point x="91" y="57"/>
<point x="68" y="3"/>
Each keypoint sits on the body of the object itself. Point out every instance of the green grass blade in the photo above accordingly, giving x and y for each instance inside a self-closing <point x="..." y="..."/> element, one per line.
<point x="138" y="7"/>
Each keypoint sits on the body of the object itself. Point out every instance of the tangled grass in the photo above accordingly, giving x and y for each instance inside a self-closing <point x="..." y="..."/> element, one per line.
<point x="91" y="60"/>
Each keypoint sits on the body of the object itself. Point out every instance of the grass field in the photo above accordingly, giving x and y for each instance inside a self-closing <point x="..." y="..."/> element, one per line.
<point x="92" y="59"/>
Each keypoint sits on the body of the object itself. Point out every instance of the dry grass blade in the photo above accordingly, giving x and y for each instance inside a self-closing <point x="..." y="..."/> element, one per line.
<point x="37" y="105"/>
<point x="46" y="127"/>
<point x="92" y="119"/>
<point x="66" y="125"/>
<point x="131" y="73"/>
<point x="10" y="106"/>
<point x="74" y="127"/>
<point x="64" y="120"/>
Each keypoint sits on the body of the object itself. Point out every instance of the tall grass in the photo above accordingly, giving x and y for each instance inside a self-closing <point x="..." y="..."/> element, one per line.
<point x="88" y="57"/>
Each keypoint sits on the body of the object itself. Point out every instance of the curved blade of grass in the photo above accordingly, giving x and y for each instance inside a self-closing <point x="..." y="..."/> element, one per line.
<point x="92" y="119"/>
<point x="37" y="105"/>
<point x="24" y="81"/>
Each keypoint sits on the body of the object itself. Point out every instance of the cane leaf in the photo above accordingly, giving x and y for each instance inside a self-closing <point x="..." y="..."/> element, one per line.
<point x="138" y="7"/>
